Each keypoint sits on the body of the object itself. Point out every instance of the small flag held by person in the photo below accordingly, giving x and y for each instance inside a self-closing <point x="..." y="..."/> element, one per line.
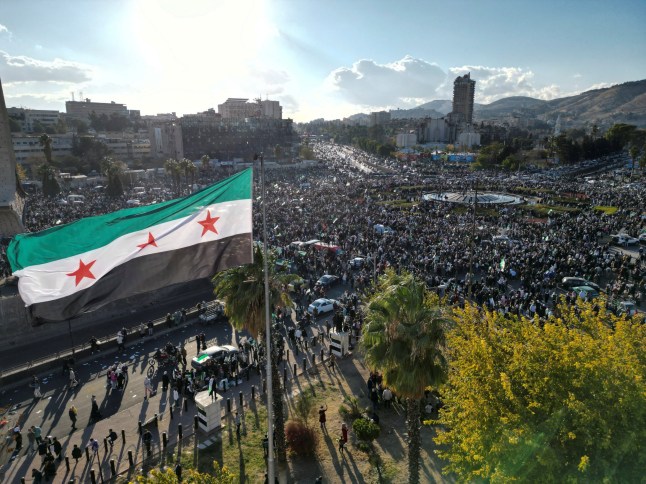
<point x="78" y="267"/>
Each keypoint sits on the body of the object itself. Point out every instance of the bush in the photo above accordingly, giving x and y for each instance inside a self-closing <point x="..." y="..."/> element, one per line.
<point x="301" y="440"/>
<point x="365" y="429"/>
<point x="351" y="408"/>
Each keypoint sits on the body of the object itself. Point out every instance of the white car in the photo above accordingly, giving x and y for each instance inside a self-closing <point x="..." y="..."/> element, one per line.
<point x="322" y="305"/>
<point x="642" y="239"/>
<point x="624" y="239"/>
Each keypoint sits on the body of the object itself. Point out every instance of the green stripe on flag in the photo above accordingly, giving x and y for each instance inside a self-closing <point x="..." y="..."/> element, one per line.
<point x="94" y="232"/>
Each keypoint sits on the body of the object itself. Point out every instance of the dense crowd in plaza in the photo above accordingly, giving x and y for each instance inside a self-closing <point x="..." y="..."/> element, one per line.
<point x="517" y="260"/>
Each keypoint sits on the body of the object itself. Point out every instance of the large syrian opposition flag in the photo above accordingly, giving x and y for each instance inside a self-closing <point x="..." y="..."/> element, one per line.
<point x="81" y="266"/>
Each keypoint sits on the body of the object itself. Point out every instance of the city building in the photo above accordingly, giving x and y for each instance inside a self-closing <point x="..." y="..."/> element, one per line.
<point x="463" y="93"/>
<point x="166" y="140"/>
<point x="81" y="110"/>
<point x="241" y="108"/>
<point x="29" y="119"/>
<point x="28" y="150"/>
<point x="378" y="118"/>
<point x="225" y="138"/>
<point x="436" y="130"/>
<point x="126" y="148"/>
<point x="406" y="140"/>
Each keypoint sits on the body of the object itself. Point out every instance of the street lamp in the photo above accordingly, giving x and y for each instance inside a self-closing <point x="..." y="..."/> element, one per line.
<point x="270" y="410"/>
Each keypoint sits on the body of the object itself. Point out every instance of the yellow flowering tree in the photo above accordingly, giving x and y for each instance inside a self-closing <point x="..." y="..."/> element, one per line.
<point x="559" y="402"/>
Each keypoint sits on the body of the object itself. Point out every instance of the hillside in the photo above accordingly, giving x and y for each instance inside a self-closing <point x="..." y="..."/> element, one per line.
<point x="620" y="103"/>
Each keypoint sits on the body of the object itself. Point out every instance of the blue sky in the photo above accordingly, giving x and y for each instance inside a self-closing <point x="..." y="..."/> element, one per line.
<point x="319" y="58"/>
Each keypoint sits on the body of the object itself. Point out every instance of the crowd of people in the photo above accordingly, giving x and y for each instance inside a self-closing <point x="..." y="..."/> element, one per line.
<point x="342" y="199"/>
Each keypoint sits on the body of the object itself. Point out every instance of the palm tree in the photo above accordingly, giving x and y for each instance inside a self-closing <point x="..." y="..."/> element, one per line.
<point x="113" y="170"/>
<point x="172" y="168"/>
<point x="205" y="162"/>
<point x="189" y="169"/>
<point x="243" y="291"/>
<point x="403" y="338"/>
<point x="46" y="143"/>
<point x="634" y="153"/>
<point x="51" y="188"/>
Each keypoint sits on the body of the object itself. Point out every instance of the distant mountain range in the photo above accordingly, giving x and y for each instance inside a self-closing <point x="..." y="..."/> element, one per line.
<point x="620" y="103"/>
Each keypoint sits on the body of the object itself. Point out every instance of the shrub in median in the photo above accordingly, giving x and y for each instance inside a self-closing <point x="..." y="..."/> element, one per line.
<point x="365" y="429"/>
<point x="301" y="440"/>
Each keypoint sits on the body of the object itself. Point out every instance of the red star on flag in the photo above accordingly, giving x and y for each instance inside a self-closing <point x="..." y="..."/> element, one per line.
<point x="208" y="224"/>
<point x="83" y="271"/>
<point x="151" y="241"/>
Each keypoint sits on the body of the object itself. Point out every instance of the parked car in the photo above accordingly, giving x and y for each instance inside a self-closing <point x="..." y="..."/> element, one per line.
<point x="642" y="239"/>
<point x="327" y="280"/>
<point x="212" y="353"/>
<point x="357" y="262"/>
<point x="572" y="282"/>
<point x="586" y="292"/>
<point x="624" y="239"/>
<point x="628" y="308"/>
<point x="322" y="305"/>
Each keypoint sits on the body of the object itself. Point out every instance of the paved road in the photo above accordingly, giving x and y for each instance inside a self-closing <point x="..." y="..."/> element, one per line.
<point x="50" y="412"/>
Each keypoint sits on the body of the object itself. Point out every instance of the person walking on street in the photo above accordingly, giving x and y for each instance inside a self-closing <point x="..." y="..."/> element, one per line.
<point x="58" y="449"/>
<point x="73" y="381"/>
<point x="120" y="345"/>
<point x="77" y="453"/>
<point x="37" y="433"/>
<point x="72" y="412"/>
<point x="183" y="353"/>
<point x="323" y="418"/>
<point x="93" y="446"/>
<point x="148" y="388"/>
<point x="95" y="414"/>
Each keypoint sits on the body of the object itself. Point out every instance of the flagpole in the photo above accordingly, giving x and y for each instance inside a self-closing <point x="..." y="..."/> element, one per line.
<point x="270" y="403"/>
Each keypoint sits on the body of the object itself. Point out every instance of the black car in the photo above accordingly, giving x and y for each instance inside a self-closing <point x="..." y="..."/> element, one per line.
<point x="327" y="281"/>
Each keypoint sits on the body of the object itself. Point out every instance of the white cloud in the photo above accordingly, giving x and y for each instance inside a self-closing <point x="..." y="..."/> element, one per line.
<point x="493" y="83"/>
<point x="17" y="69"/>
<point x="4" y="29"/>
<point x="409" y="82"/>
<point x="370" y="84"/>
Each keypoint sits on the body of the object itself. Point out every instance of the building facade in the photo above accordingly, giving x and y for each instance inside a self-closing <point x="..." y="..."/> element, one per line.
<point x="463" y="94"/>
<point x="165" y="140"/>
<point x="225" y="139"/>
<point x="29" y="119"/>
<point x="81" y="110"/>
<point x="378" y="118"/>
<point x="28" y="150"/>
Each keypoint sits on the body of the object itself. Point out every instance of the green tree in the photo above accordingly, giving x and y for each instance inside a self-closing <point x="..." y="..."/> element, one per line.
<point x="46" y="142"/>
<point x="47" y="175"/>
<point x="113" y="170"/>
<point x="404" y="338"/>
<point x="243" y="291"/>
<point x="188" y="168"/>
<point x="14" y="126"/>
<point x="205" y="162"/>
<point x="174" y="170"/>
<point x="306" y="152"/>
<point x="559" y="402"/>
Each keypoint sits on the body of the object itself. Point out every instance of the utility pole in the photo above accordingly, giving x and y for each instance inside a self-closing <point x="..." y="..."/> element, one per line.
<point x="473" y="241"/>
<point x="270" y="403"/>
